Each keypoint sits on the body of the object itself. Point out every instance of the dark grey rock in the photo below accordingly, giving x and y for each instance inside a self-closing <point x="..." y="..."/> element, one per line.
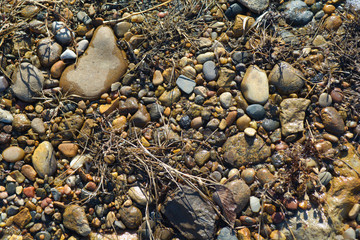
<point x="270" y="124"/>
<point x="325" y="178"/>
<point x="155" y="111"/>
<point x="256" y="111"/>
<point x="185" y="122"/>
<point x="83" y="17"/>
<point x="12" y="210"/>
<point x="190" y="214"/>
<point x="234" y="10"/>
<point x="11" y="188"/>
<point x="63" y="34"/>
<point x="241" y="57"/>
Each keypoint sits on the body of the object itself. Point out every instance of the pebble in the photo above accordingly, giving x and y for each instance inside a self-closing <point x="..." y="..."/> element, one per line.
<point x="210" y="71"/>
<point x="6" y="116"/>
<point x="121" y="28"/>
<point x="29" y="172"/>
<point x="82" y="46"/>
<point x="79" y="160"/>
<point x="256" y="111"/>
<point x="38" y="126"/>
<point x="286" y="78"/>
<point x="277" y="235"/>
<point x="141" y="117"/>
<point x="201" y="157"/>
<point x="325" y="100"/>
<point x="270" y="125"/>
<point x="57" y="69"/>
<point x="28" y="82"/>
<point x="241" y="193"/>
<point x="74" y="218"/>
<point x="255" y="204"/>
<point x="354" y="211"/>
<point x="44" y="160"/>
<point x="83" y="17"/>
<point x="68" y="149"/>
<point x="234" y="10"/>
<point x="157" y="78"/>
<point x="131" y="216"/>
<point x="21" y="123"/>
<point x="226" y="100"/>
<point x="227" y="233"/>
<point x="185" y="84"/>
<point x="297" y="13"/>
<point x="255" y="85"/>
<point x="332" y="23"/>
<point x="13" y="154"/>
<point x="336" y="95"/>
<point x="169" y="97"/>
<point x="292" y="115"/>
<point x="349" y="234"/>
<point x="68" y="55"/>
<point x="332" y="121"/>
<point x="248" y="175"/>
<point x="196" y="123"/>
<point x="139" y="195"/>
<point x="43" y="235"/>
<point x="22" y="218"/>
<point x="48" y="52"/>
<point x="325" y="178"/>
<point x="202" y="58"/>
<point x="4" y="84"/>
<point x="264" y="176"/>
<point x="102" y="51"/>
<point x="63" y="35"/>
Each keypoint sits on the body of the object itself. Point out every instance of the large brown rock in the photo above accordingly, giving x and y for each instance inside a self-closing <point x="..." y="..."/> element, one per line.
<point x="286" y="79"/>
<point x="74" y="218"/>
<point x="102" y="64"/>
<point x="241" y="150"/>
<point x="332" y="121"/>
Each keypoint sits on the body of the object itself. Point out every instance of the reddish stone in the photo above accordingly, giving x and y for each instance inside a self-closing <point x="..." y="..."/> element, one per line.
<point x="278" y="217"/>
<point x="29" y="192"/>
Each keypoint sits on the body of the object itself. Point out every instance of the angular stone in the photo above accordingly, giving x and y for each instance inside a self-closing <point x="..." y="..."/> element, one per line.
<point x="141" y="117"/>
<point x="240" y="150"/>
<point x="226" y="76"/>
<point x="102" y="60"/>
<point x="6" y="116"/>
<point x="22" y="218"/>
<point x="242" y="24"/>
<point x="190" y="214"/>
<point x="28" y="82"/>
<point x="44" y="160"/>
<point x="185" y="84"/>
<point x="297" y="13"/>
<point x="169" y="97"/>
<point x="74" y="218"/>
<point x="332" y="121"/>
<point x="241" y="193"/>
<point x="286" y="79"/>
<point x="292" y="115"/>
<point x="255" y="86"/>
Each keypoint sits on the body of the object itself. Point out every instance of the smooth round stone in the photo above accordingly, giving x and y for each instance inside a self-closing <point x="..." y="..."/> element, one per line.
<point x="325" y="100"/>
<point x="6" y="116"/>
<point x="264" y="176"/>
<point x="141" y="117"/>
<point x="255" y="204"/>
<point x="233" y="173"/>
<point x="28" y="82"/>
<point x="43" y="235"/>
<point x="210" y="71"/>
<point x="332" y="23"/>
<point x="68" y="55"/>
<point x="131" y="216"/>
<point x="82" y="46"/>
<point x="248" y="175"/>
<point x="297" y="13"/>
<point x="185" y="122"/>
<point x="216" y="176"/>
<point x="63" y="35"/>
<point x="139" y="195"/>
<point x="213" y="123"/>
<point x="13" y="154"/>
<point x="255" y="6"/>
<point x="201" y="157"/>
<point x="83" y="17"/>
<point x="250" y="132"/>
<point x="38" y="126"/>
<point x="325" y="178"/>
<point x="48" y="51"/>
<point x="121" y="28"/>
<point x="255" y="85"/>
<point x="44" y="160"/>
<point x="196" y="123"/>
<point x="277" y="159"/>
<point x="270" y="125"/>
<point x="202" y="58"/>
<point x="225" y="100"/>
<point x="57" y="69"/>
<point x="158" y="78"/>
<point x="337" y="95"/>
<point x="353" y="213"/>
<point x="21" y="123"/>
<point x="68" y="149"/>
<point x="256" y="111"/>
<point x="332" y="121"/>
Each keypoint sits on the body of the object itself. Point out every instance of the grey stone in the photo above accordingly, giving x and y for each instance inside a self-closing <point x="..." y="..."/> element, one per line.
<point x="202" y="58"/>
<point x="48" y="51"/>
<point x="68" y="55"/>
<point x="288" y="37"/>
<point x="83" y="17"/>
<point x="82" y="46"/>
<point x="255" y="6"/>
<point x="349" y="234"/>
<point x="234" y="10"/>
<point x="292" y="115"/>
<point x="28" y="82"/>
<point x="6" y="116"/>
<point x="297" y="13"/>
<point x="325" y="178"/>
<point x="286" y="78"/>
<point x="225" y="100"/>
<point x="209" y="70"/>
<point x="325" y="100"/>
<point x="241" y="57"/>
<point x="185" y="84"/>
<point x="12" y="210"/>
<point x="155" y="111"/>
<point x="270" y="125"/>
<point x="255" y="204"/>
<point x="190" y="214"/>
<point x="255" y="85"/>
<point x="227" y="233"/>
<point x="3" y="84"/>
<point x="38" y="126"/>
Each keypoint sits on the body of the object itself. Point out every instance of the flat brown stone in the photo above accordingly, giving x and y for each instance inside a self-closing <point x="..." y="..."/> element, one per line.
<point x="102" y="64"/>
